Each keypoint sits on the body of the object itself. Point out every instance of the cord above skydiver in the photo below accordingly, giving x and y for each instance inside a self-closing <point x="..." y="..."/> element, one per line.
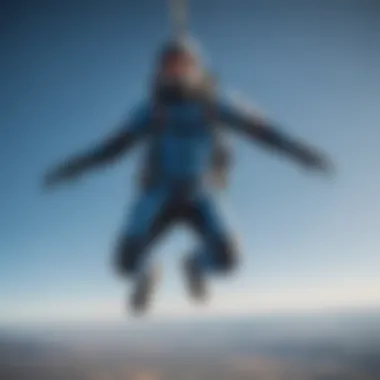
<point x="181" y="123"/>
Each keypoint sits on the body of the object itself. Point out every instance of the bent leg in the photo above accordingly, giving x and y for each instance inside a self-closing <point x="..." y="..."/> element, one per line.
<point x="219" y="251"/>
<point x="146" y="222"/>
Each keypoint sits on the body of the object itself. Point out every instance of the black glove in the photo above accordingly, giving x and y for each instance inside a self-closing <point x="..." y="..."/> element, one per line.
<point x="59" y="175"/>
<point x="313" y="160"/>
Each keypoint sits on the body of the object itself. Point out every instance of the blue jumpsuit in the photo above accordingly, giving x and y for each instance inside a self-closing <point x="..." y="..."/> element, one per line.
<point x="182" y="151"/>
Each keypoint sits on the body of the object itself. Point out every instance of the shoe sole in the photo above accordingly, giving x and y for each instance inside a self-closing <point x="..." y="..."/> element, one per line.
<point x="142" y="296"/>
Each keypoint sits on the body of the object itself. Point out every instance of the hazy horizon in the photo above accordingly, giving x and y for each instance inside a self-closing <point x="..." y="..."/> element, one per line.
<point x="336" y="346"/>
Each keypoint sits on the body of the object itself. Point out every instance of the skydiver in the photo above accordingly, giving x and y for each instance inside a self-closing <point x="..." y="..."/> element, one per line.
<point x="181" y="122"/>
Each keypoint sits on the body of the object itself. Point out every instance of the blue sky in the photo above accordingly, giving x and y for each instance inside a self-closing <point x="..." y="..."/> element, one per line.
<point x="71" y="70"/>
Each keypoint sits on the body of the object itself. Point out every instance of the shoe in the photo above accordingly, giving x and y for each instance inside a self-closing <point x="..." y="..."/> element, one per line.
<point x="145" y="284"/>
<point x="195" y="280"/>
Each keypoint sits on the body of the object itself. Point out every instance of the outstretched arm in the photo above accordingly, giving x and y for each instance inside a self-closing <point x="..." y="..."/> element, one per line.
<point x="254" y="126"/>
<point x="107" y="151"/>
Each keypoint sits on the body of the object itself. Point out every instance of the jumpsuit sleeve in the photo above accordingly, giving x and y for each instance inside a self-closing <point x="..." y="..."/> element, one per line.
<point x="112" y="147"/>
<point x="252" y="124"/>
